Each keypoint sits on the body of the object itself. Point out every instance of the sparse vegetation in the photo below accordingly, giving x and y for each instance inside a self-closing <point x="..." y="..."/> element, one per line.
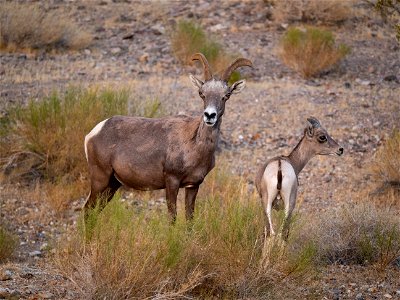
<point x="385" y="170"/>
<point x="356" y="234"/>
<point x="218" y="254"/>
<point x="311" y="51"/>
<point x="31" y="27"/>
<point x="190" y="38"/>
<point x="327" y="12"/>
<point x="45" y="139"/>
<point x="390" y="11"/>
<point x="7" y="244"/>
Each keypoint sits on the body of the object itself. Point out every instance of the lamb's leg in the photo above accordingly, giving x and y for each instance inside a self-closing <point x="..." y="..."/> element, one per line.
<point x="268" y="198"/>
<point x="190" y="198"/>
<point x="290" y="202"/>
<point x="171" y="192"/>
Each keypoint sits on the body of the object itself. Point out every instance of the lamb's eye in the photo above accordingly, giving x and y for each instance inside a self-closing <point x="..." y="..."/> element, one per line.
<point x="322" y="139"/>
<point x="201" y="94"/>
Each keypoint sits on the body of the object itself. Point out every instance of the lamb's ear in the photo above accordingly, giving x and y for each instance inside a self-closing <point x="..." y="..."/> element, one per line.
<point x="238" y="86"/>
<point x="197" y="83"/>
<point x="314" y="122"/>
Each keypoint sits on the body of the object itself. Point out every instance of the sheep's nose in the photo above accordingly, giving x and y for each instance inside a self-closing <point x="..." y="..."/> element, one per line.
<point x="210" y="116"/>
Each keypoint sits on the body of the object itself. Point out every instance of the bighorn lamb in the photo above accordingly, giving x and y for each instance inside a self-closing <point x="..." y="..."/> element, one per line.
<point x="278" y="178"/>
<point x="165" y="153"/>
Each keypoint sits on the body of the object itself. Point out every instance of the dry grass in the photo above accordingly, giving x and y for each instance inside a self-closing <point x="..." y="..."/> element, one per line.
<point x="189" y="38"/>
<point x="126" y="255"/>
<point x="327" y="12"/>
<point x="356" y="234"/>
<point x="44" y="140"/>
<point x="310" y="51"/>
<point x="386" y="165"/>
<point x="7" y="244"/>
<point x="31" y="27"/>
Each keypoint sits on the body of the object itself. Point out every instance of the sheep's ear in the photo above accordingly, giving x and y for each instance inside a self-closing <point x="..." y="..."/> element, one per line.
<point x="238" y="86"/>
<point x="197" y="83"/>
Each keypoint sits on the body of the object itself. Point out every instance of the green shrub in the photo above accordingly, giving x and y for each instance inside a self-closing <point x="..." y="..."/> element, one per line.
<point x="190" y="38"/>
<point x="29" y="26"/>
<point x="45" y="138"/>
<point x="311" y="51"/>
<point x="121" y="253"/>
<point x="7" y="244"/>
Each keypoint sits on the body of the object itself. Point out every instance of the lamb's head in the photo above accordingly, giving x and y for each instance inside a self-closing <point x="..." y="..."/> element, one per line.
<point x="215" y="92"/>
<point x="319" y="140"/>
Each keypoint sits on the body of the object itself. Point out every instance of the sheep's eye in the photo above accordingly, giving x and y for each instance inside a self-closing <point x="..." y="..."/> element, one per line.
<point x="322" y="139"/>
<point x="201" y="94"/>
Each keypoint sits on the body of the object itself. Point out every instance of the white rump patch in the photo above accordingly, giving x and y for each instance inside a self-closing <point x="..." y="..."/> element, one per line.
<point x="215" y="86"/>
<point x="92" y="133"/>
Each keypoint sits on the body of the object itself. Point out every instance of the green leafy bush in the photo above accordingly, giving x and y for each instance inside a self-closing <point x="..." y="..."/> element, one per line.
<point x="311" y="51"/>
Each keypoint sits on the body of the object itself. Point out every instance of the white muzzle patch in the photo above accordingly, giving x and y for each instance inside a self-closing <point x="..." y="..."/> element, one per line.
<point x="210" y="116"/>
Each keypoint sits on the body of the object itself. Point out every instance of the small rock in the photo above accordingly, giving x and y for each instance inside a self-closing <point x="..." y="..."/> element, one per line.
<point x="115" y="50"/>
<point x="45" y="295"/>
<point x="388" y="296"/>
<point x="283" y="26"/>
<point x="35" y="253"/>
<point x="359" y="296"/>
<point x="144" y="58"/>
<point x="87" y="51"/>
<point x="347" y="85"/>
<point x="372" y="289"/>
<point x="391" y="78"/>
<point x="5" y="275"/>
<point x="44" y="246"/>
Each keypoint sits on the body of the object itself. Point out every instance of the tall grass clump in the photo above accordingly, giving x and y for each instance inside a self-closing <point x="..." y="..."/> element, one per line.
<point x="311" y="51"/>
<point x="31" y="27"/>
<point x="123" y="254"/>
<point x="8" y="243"/>
<point x="327" y="12"/>
<point x="356" y="234"/>
<point x="189" y="38"/>
<point x="44" y="140"/>
<point x="386" y="165"/>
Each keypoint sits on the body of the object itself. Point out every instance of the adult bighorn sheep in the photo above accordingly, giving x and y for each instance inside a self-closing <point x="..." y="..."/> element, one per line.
<point x="165" y="153"/>
<point x="278" y="177"/>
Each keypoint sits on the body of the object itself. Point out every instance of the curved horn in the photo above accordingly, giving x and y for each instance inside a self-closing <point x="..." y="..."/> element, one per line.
<point x="206" y="66"/>
<point x="314" y="122"/>
<point x="240" y="62"/>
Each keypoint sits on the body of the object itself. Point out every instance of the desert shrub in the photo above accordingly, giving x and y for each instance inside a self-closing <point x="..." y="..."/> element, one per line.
<point x="356" y="234"/>
<point x="189" y="38"/>
<point x="310" y="51"/>
<point x="327" y="12"/>
<point x="386" y="165"/>
<point x="120" y="253"/>
<point x="390" y="11"/>
<point x="29" y="26"/>
<point x="45" y="138"/>
<point x="7" y="244"/>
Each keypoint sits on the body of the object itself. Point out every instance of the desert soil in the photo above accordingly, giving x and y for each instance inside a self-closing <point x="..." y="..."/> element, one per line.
<point x="358" y="102"/>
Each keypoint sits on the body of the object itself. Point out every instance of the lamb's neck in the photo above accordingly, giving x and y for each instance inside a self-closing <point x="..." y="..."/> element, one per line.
<point x="300" y="155"/>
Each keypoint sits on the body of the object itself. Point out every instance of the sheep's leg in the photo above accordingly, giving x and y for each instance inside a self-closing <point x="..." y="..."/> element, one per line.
<point x="102" y="186"/>
<point x="190" y="198"/>
<point x="171" y="191"/>
<point x="290" y="201"/>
